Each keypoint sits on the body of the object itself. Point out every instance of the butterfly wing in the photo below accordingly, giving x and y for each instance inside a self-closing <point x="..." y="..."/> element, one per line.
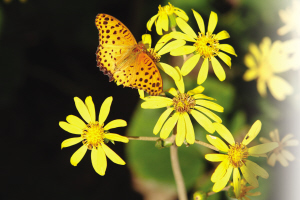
<point x="115" y="42"/>
<point x="142" y="74"/>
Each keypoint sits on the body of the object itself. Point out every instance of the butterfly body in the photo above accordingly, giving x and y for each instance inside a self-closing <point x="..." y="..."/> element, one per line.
<point x="125" y="61"/>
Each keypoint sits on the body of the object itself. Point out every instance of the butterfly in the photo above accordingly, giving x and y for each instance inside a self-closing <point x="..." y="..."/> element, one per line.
<point x="125" y="61"/>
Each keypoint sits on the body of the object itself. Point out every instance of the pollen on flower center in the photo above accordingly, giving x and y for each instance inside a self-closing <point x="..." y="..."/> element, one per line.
<point x="93" y="135"/>
<point x="237" y="155"/>
<point x="153" y="55"/>
<point x="183" y="103"/>
<point x="207" y="45"/>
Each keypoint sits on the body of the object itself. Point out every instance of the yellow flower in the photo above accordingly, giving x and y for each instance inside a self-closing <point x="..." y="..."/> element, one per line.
<point x="290" y="17"/>
<point x="206" y="45"/>
<point x="264" y="62"/>
<point x="280" y="154"/>
<point x="244" y="190"/>
<point x="93" y="134"/>
<point x="235" y="157"/>
<point x="181" y="105"/>
<point x="161" y="19"/>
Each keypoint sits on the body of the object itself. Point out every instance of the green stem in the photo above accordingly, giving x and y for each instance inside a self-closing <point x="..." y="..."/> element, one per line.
<point x="182" y="195"/>
<point x="142" y="138"/>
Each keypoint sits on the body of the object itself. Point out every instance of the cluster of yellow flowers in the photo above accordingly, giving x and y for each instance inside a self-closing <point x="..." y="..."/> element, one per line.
<point x="205" y="47"/>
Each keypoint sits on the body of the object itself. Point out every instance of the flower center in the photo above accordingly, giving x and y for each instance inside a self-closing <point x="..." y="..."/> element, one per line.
<point x="237" y="155"/>
<point x="93" y="135"/>
<point x="265" y="70"/>
<point x="183" y="103"/>
<point x="207" y="45"/>
<point x="168" y="9"/>
<point x="153" y="55"/>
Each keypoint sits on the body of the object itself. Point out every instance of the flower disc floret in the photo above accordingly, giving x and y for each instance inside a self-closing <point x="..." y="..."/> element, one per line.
<point x="184" y="103"/>
<point x="93" y="135"/>
<point x="207" y="45"/>
<point x="237" y="155"/>
<point x="153" y="55"/>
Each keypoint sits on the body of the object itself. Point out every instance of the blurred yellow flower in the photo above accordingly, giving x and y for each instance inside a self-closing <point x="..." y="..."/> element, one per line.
<point x="206" y="45"/>
<point x="235" y="157"/>
<point x="280" y="154"/>
<point x="161" y="19"/>
<point x="244" y="191"/>
<point x="267" y="60"/>
<point x="290" y="17"/>
<point x="93" y="134"/>
<point x="193" y="102"/>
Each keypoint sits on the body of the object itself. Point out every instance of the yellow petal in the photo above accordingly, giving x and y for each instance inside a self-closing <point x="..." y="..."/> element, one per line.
<point x="180" y="83"/>
<point x="236" y="182"/>
<point x="227" y="48"/>
<point x="159" y="25"/>
<point x="151" y="21"/>
<point x="75" y="121"/>
<point x="287" y="137"/>
<point x="196" y="91"/>
<point x="146" y="39"/>
<point x="104" y="110"/>
<point x="184" y="50"/>
<point x="252" y="133"/>
<point x="288" y="155"/>
<point x="71" y="141"/>
<point x="171" y="71"/>
<point x="181" y="36"/>
<point x="250" y="62"/>
<point x="282" y="160"/>
<point x="141" y="93"/>
<point x="185" y="27"/>
<point x="116" y="137"/>
<point x="172" y="91"/>
<point x="250" y="75"/>
<point x="200" y="21"/>
<point x="203" y="121"/>
<point x="222" y="35"/>
<point x="202" y="96"/>
<point x="162" y="41"/>
<point x="218" y="69"/>
<point x="264" y="140"/>
<point x="70" y="128"/>
<point x="99" y="161"/>
<point x="262" y="148"/>
<point x="220" y="171"/>
<point x="220" y="184"/>
<point x="169" y="125"/>
<point x="203" y="72"/>
<point x="210" y="105"/>
<point x="265" y="45"/>
<point x="78" y="155"/>
<point x="165" y="22"/>
<point x="226" y="59"/>
<point x="91" y="108"/>
<point x="115" y="124"/>
<point x="279" y="88"/>
<point x="217" y="142"/>
<point x="255" y="51"/>
<point x="190" y="134"/>
<point x="164" y="116"/>
<point x="159" y="102"/>
<point x="272" y="159"/>
<point x="256" y="169"/>
<point x="112" y="155"/>
<point x="181" y="131"/>
<point x="170" y="46"/>
<point x="82" y="109"/>
<point x="249" y="176"/>
<point x="212" y="22"/>
<point x="261" y="87"/>
<point x="190" y="64"/>
<point x="224" y="133"/>
<point x="209" y="114"/>
<point x="180" y="13"/>
<point x="216" y="157"/>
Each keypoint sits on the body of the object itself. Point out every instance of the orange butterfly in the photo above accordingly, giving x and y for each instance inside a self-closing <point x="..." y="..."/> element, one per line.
<point x="123" y="59"/>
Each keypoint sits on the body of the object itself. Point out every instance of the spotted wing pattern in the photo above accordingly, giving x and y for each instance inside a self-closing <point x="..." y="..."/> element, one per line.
<point x="122" y="59"/>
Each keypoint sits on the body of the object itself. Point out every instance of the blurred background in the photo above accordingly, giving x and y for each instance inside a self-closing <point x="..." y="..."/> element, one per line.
<point x="47" y="57"/>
